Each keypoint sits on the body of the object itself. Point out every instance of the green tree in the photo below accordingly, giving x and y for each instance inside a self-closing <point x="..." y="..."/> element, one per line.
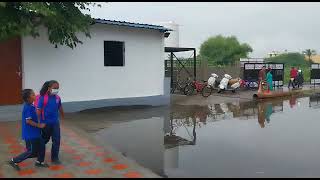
<point x="289" y="59"/>
<point x="309" y="53"/>
<point x="63" y="20"/>
<point x="224" y="50"/>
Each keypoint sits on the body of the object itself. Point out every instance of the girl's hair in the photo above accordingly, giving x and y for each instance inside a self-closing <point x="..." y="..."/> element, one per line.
<point x="46" y="86"/>
<point x="26" y="94"/>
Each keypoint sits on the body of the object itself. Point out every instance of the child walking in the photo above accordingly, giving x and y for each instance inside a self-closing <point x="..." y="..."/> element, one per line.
<point x="48" y="108"/>
<point x="30" y="133"/>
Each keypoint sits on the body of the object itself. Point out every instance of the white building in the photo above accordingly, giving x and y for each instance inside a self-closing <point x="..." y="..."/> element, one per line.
<point x="121" y="64"/>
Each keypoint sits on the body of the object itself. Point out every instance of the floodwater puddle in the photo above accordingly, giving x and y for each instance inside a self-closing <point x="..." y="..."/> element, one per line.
<point x="277" y="138"/>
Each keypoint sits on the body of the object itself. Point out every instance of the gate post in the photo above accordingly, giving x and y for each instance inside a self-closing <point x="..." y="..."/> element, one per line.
<point x="194" y="64"/>
<point x="204" y="69"/>
<point x="171" y="68"/>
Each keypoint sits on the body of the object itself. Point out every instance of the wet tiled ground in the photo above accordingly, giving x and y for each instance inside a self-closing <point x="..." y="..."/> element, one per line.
<point x="80" y="156"/>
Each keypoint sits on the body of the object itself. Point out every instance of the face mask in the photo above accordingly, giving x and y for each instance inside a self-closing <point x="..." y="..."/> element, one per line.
<point x="54" y="91"/>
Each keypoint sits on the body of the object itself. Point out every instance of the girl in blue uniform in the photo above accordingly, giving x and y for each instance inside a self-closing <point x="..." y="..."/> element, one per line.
<point x="48" y="109"/>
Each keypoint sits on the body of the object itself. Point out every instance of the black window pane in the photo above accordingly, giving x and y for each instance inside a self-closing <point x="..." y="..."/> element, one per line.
<point x="113" y="53"/>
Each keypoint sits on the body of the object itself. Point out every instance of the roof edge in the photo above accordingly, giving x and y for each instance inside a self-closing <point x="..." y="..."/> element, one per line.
<point x="131" y="24"/>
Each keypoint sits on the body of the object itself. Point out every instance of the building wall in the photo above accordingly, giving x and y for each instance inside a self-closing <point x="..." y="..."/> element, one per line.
<point x="81" y="72"/>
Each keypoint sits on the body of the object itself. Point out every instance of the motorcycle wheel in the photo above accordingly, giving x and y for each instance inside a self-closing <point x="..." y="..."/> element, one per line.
<point x="206" y="91"/>
<point x="253" y="85"/>
<point x="188" y="90"/>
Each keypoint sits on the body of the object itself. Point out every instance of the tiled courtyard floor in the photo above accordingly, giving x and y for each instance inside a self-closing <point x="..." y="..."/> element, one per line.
<point x="80" y="156"/>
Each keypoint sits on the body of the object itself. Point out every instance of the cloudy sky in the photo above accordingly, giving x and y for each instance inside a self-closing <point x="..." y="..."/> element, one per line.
<point x="265" y="26"/>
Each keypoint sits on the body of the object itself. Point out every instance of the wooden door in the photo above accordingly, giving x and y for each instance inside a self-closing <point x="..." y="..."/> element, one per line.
<point x="10" y="72"/>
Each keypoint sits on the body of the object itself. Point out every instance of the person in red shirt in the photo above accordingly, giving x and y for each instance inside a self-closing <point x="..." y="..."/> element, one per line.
<point x="262" y="74"/>
<point x="293" y="76"/>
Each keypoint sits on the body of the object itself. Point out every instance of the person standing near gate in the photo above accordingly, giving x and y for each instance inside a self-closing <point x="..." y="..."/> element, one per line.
<point x="270" y="79"/>
<point x="262" y="74"/>
<point x="293" y="77"/>
<point x="300" y="79"/>
<point x="262" y="77"/>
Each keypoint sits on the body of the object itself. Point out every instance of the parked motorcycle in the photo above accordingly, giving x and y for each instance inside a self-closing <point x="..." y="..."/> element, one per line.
<point x="226" y="86"/>
<point x="213" y="83"/>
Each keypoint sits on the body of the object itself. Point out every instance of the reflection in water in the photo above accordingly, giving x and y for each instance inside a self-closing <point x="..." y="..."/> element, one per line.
<point x="261" y="114"/>
<point x="173" y="142"/>
<point x="314" y="101"/>
<point x="264" y="112"/>
<point x="268" y="112"/>
<point x="184" y="114"/>
<point x="293" y="101"/>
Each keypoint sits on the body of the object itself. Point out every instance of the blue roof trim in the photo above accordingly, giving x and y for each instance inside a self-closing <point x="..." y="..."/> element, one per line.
<point x="130" y="24"/>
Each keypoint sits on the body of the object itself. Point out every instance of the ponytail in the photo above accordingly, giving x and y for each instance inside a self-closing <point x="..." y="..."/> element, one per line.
<point x="44" y="88"/>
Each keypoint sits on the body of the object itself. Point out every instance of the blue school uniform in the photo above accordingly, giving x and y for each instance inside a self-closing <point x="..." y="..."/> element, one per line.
<point x="51" y="119"/>
<point x="51" y="110"/>
<point x="32" y="135"/>
<point x="29" y="132"/>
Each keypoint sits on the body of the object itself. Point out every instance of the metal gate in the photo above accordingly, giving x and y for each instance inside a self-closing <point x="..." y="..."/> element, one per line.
<point x="315" y="74"/>
<point x="180" y="70"/>
<point x="251" y="72"/>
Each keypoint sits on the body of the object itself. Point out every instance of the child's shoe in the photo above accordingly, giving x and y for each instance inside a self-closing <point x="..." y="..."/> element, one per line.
<point x="41" y="164"/>
<point x="56" y="162"/>
<point x="14" y="165"/>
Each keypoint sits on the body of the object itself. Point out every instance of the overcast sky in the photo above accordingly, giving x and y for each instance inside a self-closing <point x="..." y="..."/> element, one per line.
<point x="265" y="26"/>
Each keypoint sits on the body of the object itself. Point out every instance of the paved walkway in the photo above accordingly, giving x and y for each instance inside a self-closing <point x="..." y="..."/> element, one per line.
<point x="80" y="156"/>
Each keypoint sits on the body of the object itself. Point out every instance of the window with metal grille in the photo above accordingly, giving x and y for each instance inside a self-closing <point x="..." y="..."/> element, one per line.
<point x="113" y="53"/>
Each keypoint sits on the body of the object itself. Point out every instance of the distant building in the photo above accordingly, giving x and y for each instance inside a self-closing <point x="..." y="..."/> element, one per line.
<point x="314" y="58"/>
<point x="277" y="53"/>
<point x="250" y="60"/>
<point x="273" y="54"/>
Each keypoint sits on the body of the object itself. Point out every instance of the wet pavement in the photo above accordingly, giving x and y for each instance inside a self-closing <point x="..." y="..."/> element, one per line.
<point x="81" y="157"/>
<point x="277" y="138"/>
